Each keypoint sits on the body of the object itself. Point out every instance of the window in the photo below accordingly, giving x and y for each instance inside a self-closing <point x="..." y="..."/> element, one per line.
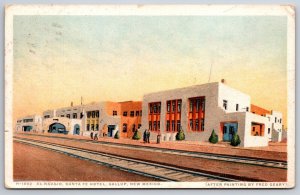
<point x="179" y="106"/>
<point x="68" y="115"/>
<point x="236" y="107"/>
<point x="62" y="115"/>
<point x="173" y="125"/>
<point x="203" y="105"/>
<point x="275" y="119"/>
<point x="28" y="120"/>
<point x="197" y="105"/>
<point x="197" y="124"/>
<point x="247" y="109"/>
<point x="154" y="125"/>
<point x="151" y="108"/>
<point x="92" y="127"/>
<point x="88" y="127"/>
<point x="191" y="106"/>
<point x="168" y="106"/>
<point x="140" y="113"/>
<point x="115" y="113"/>
<point x="280" y="121"/>
<point x="47" y="116"/>
<point x="154" y="108"/>
<point x="97" y="114"/>
<point x="154" y="115"/>
<point x="158" y="107"/>
<point x="173" y="106"/>
<point x="97" y="127"/>
<point x="225" y="104"/>
<point x="124" y="113"/>
<point x="93" y="114"/>
<point x="269" y="130"/>
<point x="191" y="124"/>
<point x="74" y="115"/>
<point x="168" y="125"/>
<point x="132" y="113"/>
<point x="158" y="125"/>
<point x="137" y="113"/>
<point x="89" y="114"/>
<point x="139" y="126"/>
<point x="178" y="125"/>
<point x="124" y="127"/>
<point x="202" y="124"/>
<point x="133" y="128"/>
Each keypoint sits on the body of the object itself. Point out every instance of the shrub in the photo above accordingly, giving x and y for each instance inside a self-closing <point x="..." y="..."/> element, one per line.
<point x="117" y="136"/>
<point x="136" y="135"/>
<point x="213" y="137"/>
<point x="235" y="141"/>
<point x="180" y="135"/>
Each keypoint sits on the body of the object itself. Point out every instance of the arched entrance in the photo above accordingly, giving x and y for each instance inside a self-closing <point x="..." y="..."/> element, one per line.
<point x="57" y="128"/>
<point x="76" y="130"/>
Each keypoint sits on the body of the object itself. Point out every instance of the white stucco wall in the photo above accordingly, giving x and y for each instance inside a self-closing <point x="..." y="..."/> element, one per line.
<point x="215" y="114"/>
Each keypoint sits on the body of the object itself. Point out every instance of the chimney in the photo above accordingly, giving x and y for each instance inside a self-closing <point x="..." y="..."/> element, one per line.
<point x="71" y="104"/>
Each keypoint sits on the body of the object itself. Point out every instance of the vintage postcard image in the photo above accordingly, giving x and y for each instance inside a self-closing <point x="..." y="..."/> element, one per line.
<point x="149" y="96"/>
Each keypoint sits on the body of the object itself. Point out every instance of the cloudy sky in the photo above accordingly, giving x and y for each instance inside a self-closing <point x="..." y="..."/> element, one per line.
<point x="58" y="59"/>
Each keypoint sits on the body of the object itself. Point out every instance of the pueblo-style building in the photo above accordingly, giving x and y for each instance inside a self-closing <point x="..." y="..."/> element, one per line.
<point x="103" y="118"/>
<point x="197" y="110"/>
<point x="200" y="109"/>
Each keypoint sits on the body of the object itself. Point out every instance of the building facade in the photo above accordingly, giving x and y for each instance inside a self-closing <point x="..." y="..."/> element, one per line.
<point x="198" y="110"/>
<point x="104" y="118"/>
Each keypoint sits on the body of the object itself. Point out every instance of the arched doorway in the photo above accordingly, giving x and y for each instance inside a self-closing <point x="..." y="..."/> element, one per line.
<point x="57" y="128"/>
<point x="76" y="130"/>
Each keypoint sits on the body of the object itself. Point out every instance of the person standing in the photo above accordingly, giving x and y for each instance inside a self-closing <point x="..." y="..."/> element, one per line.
<point x="148" y="136"/>
<point x="145" y="136"/>
<point x="96" y="136"/>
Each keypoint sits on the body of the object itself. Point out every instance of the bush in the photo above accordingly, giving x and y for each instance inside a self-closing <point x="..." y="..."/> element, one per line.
<point x="180" y="135"/>
<point x="136" y="135"/>
<point x="117" y="136"/>
<point x="235" y="141"/>
<point x="213" y="137"/>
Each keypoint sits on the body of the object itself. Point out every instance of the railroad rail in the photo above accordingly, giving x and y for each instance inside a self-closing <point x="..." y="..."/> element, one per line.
<point x="148" y="169"/>
<point x="220" y="157"/>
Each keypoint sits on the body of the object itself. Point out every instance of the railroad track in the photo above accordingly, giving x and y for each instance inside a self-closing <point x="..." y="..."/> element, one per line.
<point x="220" y="157"/>
<point x="148" y="169"/>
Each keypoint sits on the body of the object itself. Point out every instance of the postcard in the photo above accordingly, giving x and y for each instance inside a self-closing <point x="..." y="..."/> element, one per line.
<point x="149" y="96"/>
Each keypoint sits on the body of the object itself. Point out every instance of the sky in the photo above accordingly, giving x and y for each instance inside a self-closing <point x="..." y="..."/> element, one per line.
<point x="58" y="59"/>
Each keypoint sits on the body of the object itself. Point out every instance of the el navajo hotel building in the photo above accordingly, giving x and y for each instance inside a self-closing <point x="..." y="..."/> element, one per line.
<point x="197" y="110"/>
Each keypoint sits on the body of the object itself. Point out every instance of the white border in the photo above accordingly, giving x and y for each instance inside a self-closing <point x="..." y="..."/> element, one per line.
<point x="138" y="10"/>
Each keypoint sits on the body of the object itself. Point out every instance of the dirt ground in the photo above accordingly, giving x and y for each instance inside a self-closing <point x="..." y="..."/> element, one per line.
<point x="35" y="164"/>
<point x="239" y="171"/>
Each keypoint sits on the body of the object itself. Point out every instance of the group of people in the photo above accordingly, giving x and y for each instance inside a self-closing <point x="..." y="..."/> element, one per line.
<point x="146" y="136"/>
<point x="94" y="136"/>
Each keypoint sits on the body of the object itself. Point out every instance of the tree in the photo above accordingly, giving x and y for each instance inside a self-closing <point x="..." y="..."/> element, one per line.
<point x="117" y="136"/>
<point x="213" y="137"/>
<point x="136" y="135"/>
<point x="180" y="135"/>
<point x="235" y="141"/>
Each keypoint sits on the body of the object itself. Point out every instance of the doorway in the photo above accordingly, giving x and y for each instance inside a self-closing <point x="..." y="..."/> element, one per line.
<point x="110" y="130"/>
<point x="76" y="130"/>
<point x="228" y="130"/>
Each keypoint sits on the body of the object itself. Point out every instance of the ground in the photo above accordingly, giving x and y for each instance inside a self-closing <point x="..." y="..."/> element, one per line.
<point x="76" y="169"/>
<point x="32" y="163"/>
